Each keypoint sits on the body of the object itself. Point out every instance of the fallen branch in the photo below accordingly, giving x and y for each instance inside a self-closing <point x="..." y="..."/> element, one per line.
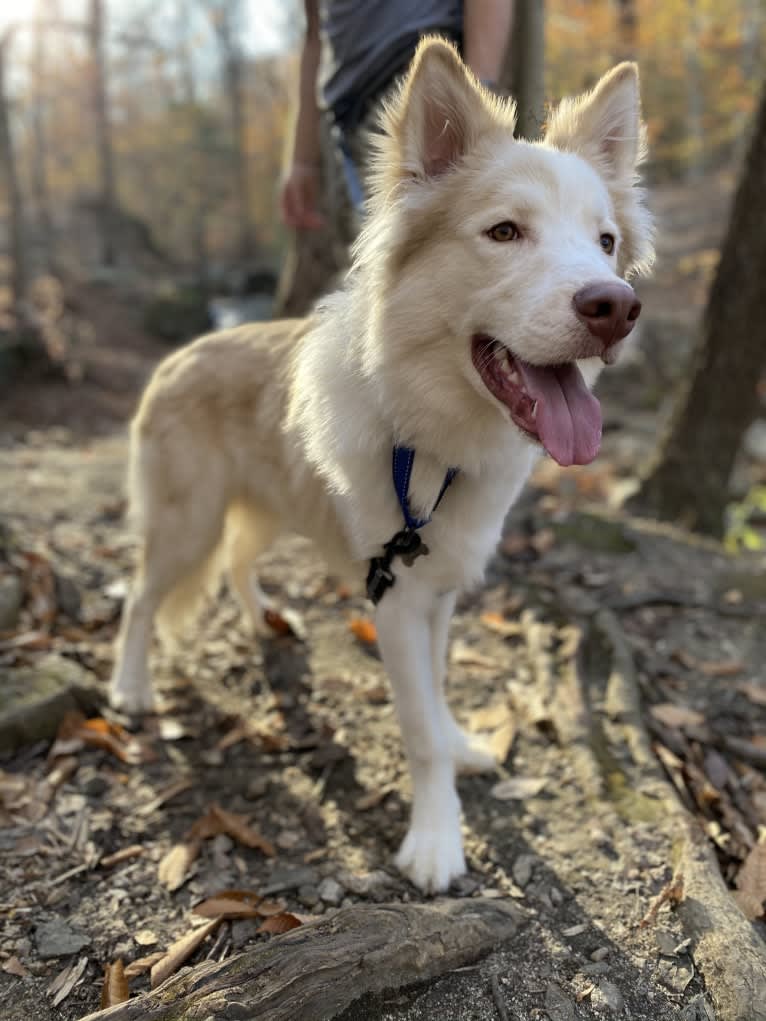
<point x="314" y="972"/>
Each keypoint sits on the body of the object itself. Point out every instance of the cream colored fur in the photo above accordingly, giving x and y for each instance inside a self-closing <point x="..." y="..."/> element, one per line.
<point x="289" y="426"/>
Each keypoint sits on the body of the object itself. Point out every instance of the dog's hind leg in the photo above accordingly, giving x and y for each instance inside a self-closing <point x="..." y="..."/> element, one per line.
<point x="469" y="752"/>
<point x="432" y="852"/>
<point x="249" y="531"/>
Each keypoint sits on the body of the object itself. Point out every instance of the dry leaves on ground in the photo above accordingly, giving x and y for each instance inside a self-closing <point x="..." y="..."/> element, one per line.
<point x="180" y="951"/>
<point x="115" y="989"/>
<point x="751" y="884"/>
<point x="237" y="904"/>
<point x="517" y="788"/>
<point x="280" y="923"/>
<point x="363" y="629"/>
<point x="75" y="731"/>
<point x="672" y="715"/>
<point x="63" y="984"/>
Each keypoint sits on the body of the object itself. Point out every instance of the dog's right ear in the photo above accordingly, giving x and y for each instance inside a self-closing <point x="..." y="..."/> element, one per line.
<point x="439" y="112"/>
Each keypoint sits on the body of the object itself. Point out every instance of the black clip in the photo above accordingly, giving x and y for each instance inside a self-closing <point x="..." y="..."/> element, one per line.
<point x="408" y="546"/>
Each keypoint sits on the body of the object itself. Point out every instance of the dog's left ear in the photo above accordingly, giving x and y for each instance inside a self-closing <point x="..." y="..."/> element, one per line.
<point x="604" y="126"/>
<point x="439" y="112"/>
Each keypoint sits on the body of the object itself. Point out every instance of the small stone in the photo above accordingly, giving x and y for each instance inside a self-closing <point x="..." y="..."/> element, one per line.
<point x="522" y="869"/>
<point x="308" y="895"/>
<point x="607" y="994"/>
<point x="597" y="968"/>
<point x="145" y="937"/>
<point x="556" y="896"/>
<point x="287" y="839"/>
<point x="464" y="886"/>
<point x="557" y="1004"/>
<point x="375" y="884"/>
<point x="23" y="947"/>
<point x="243" y="930"/>
<point x="600" y="954"/>
<point x="283" y="879"/>
<point x="57" y="939"/>
<point x="11" y="598"/>
<point x="95" y="786"/>
<point x="222" y="844"/>
<point x="67" y="596"/>
<point x="330" y="891"/>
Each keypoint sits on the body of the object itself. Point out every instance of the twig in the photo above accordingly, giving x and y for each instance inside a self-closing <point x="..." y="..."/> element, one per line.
<point x="497" y="996"/>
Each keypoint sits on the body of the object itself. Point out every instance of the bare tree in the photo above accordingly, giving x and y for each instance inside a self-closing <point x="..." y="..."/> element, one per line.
<point x="227" y="17"/>
<point x="100" y="92"/>
<point x="39" y="140"/>
<point x="13" y="191"/>
<point x="627" y="29"/>
<point x="524" y="66"/>
<point x="689" y="476"/>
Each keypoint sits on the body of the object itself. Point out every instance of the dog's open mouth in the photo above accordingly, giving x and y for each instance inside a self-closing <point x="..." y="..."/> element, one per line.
<point x="551" y="403"/>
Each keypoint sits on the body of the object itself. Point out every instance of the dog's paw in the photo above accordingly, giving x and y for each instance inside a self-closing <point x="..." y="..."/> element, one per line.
<point x="471" y="754"/>
<point x="134" y="701"/>
<point x="431" y="857"/>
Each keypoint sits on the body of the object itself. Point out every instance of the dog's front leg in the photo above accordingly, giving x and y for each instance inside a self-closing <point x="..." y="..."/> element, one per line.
<point x="469" y="754"/>
<point x="432" y="852"/>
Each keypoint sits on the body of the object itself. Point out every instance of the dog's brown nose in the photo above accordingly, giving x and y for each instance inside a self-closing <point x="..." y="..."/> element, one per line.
<point x="608" y="309"/>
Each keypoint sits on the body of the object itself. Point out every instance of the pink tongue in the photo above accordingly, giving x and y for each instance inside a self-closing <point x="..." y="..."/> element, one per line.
<point x="568" y="415"/>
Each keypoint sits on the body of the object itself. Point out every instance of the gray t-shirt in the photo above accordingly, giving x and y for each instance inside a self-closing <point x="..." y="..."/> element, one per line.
<point x="366" y="43"/>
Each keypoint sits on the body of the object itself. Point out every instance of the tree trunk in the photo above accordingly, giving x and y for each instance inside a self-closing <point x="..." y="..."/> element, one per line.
<point x="627" y="30"/>
<point x="13" y="191"/>
<point x="524" y="66"/>
<point x="100" y="88"/>
<point x="39" y="149"/>
<point x="688" y="480"/>
<point x="193" y="155"/>
<point x="314" y="972"/>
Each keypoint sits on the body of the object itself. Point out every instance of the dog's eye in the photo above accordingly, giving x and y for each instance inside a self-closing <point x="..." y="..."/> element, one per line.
<point x="607" y="243"/>
<point x="505" y="231"/>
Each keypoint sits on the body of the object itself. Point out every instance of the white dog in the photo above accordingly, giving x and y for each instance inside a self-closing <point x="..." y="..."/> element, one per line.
<point x="487" y="289"/>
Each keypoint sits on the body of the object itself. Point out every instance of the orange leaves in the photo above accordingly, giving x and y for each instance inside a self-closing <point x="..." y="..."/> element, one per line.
<point x="278" y="924"/>
<point x="76" y="731"/>
<point x="238" y="904"/>
<point x="363" y="629"/>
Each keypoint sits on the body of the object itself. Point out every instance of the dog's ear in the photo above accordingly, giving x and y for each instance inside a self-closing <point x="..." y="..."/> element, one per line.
<point x="439" y="112"/>
<point x="604" y="126"/>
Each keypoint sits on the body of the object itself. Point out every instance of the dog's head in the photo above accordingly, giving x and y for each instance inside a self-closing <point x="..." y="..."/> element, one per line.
<point x="513" y="256"/>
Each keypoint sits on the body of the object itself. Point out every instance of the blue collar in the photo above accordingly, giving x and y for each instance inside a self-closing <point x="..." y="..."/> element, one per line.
<point x="401" y="463"/>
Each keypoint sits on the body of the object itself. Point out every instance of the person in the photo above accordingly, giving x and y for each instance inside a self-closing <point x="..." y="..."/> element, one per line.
<point x="353" y="52"/>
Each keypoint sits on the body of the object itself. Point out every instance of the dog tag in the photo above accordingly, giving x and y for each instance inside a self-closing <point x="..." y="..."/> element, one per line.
<point x="408" y="546"/>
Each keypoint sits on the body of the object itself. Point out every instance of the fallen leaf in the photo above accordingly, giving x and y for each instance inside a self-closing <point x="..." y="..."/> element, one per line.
<point x="285" y="622"/>
<point x="115" y="989"/>
<point x="753" y="691"/>
<point x="164" y="796"/>
<point x="229" y="904"/>
<point x="501" y="741"/>
<point x="751" y="883"/>
<point x="145" y="937"/>
<point x="489" y="717"/>
<point x="280" y="923"/>
<point x="501" y="625"/>
<point x="373" y="798"/>
<point x="463" y="654"/>
<point x="712" y="668"/>
<point x="363" y="629"/>
<point x="63" y="984"/>
<point x="672" y="715"/>
<point x="13" y="966"/>
<point x="125" y="854"/>
<point x="671" y="893"/>
<point x="173" y="870"/>
<point x="517" y="788"/>
<point x="181" y="951"/>
<point x="98" y="733"/>
<point x="266" y="908"/>
<point x="237" y="828"/>
<point x="142" y="964"/>
<point x="172" y="730"/>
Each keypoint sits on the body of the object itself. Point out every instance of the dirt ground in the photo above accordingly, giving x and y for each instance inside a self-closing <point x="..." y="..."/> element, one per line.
<point x="296" y="734"/>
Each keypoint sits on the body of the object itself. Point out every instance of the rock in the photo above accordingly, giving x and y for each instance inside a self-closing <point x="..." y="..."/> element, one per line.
<point x="594" y="532"/>
<point x="67" y="596"/>
<point x="308" y="895"/>
<point x="331" y="892"/>
<point x="257" y="787"/>
<point x="94" y="786"/>
<point x="376" y="884"/>
<point x="522" y="869"/>
<point x="606" y="994"/>
<point x="288" y="878"/>
<point x="754" y="440"/>
<point x="597" y="968"/>
<point x="557" y="1004"/>
<point x="57" y="939"/>
<point x="600" y="954"/>
<point x="697" y="1009"/>
<point x="33" y="699"/>
<point x="242" y="931"/>
<point x="464" y="886"/>
<point x="11" y="598"/>
<point x="222" y="844"/>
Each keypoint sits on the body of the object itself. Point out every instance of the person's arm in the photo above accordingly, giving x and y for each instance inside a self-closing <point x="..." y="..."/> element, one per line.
<point x="486" y="34"/>
<point x="299" y="199"/>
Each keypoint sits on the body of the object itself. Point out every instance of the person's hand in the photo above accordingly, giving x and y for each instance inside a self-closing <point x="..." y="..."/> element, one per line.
<point x="299" y="199"/>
